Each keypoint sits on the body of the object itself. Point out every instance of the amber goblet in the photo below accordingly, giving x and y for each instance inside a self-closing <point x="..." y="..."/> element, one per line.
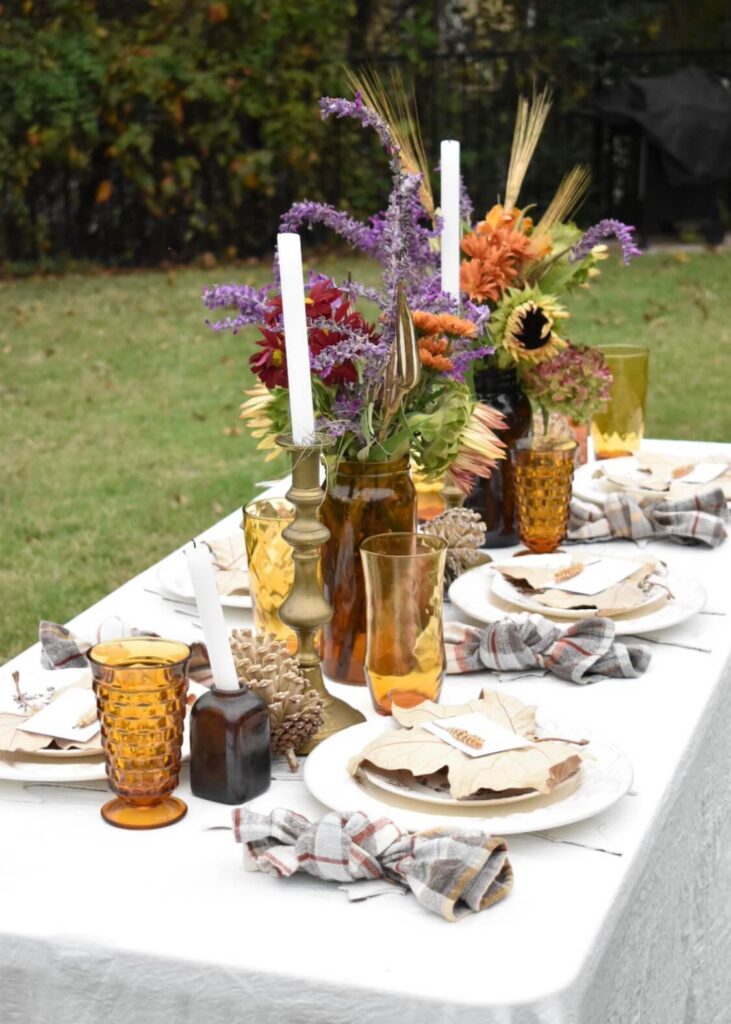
<point x="404" y="580"/>
<point x="543" y="468"/>
<point x="271" y="566"/>
<point x="141" y="685"/>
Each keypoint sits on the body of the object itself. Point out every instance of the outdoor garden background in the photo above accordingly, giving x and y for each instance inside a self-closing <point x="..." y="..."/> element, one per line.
<point x="148" y="148"/>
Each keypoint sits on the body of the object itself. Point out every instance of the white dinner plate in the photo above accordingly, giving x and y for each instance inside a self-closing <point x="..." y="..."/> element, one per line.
<point x="603" y="781"/>
<point x="39" y="767"/>
<point x="473" y="594"/>
<point x="595" y="490"/>
<point x="174" y="578"/>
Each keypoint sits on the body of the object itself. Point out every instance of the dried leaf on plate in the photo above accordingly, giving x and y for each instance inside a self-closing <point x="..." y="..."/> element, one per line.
<point x="15" y="740"/>
<point x="538" y="583"/>
<point x="229" y="559"/>
<point x="414" y="750"/>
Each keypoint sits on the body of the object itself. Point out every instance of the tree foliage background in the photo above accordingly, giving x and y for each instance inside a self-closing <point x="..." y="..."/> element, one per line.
<point x="135" y="131"/>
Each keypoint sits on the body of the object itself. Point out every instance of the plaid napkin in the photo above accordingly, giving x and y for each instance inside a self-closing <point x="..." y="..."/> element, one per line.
<point x="61" y="649"/>
<point x="583" y="653"/>
<point x="698" y="519"/>
<point x="451" y="872"/>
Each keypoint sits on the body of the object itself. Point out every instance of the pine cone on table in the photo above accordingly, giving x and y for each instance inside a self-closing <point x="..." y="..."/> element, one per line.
<point x="265" y="664"/>
<point x="464" y="532"/>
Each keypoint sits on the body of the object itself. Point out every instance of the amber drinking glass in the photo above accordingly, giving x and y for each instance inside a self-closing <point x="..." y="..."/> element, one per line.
<point x="619" y="429"/>
<point x="271" y="566"/>
<point x="543" y="468"/>
<point x="404" y="578"/>
<point x="141" y="686"/>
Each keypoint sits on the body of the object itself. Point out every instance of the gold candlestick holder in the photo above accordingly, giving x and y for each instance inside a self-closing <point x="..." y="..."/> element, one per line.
<point x="305" y="609"/>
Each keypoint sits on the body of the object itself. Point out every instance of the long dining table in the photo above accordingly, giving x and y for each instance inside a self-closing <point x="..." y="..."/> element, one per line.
<point x="624" y="917"/>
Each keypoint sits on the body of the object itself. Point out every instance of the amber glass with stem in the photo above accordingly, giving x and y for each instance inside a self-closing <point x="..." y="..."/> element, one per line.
<point x="543" y="469"/>
<point x="141" y="685"/>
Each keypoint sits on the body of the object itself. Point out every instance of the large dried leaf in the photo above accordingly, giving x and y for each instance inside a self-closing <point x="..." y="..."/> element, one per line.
<point x="536" y="582"/>
<point x="229" y="559"/>
<point x="414" y="750"/>
<point x="13" y="739"/>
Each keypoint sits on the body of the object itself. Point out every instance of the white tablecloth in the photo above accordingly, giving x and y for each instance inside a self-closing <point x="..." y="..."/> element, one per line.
<point x="624" y="918"/>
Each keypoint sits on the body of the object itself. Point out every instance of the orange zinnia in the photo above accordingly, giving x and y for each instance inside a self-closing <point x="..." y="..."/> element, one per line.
<point x="431" y="353"/>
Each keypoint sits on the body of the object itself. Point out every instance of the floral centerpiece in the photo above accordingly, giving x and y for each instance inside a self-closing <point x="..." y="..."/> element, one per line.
<point x="386" y="390"/>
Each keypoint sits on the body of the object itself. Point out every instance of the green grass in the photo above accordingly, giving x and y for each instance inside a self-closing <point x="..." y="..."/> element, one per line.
<point x="118" y="412"/>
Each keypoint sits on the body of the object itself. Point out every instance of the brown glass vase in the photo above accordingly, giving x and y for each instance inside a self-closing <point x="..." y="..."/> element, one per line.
<point x="362" y="499"/>
<point x="494" y="498"/>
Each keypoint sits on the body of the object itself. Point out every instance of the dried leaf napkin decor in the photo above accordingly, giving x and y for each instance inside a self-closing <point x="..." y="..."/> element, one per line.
<point x="413" y="750"/>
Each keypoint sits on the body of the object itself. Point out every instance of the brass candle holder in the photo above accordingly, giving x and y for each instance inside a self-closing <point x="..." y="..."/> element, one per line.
<point x="305" y="609"/>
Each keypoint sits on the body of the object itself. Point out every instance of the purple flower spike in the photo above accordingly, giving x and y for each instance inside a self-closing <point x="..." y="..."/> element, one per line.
<point x="624" y="234"/>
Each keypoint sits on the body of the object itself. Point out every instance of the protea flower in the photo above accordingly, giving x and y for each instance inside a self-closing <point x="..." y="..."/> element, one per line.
<point x="479" y="449"/>
<point x="523" y="325"/>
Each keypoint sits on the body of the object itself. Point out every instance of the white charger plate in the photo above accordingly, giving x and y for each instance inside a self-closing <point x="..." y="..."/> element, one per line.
<point x="473" y="594"/>
<point x="602" y="782"/>
<point x="174" y="578"/>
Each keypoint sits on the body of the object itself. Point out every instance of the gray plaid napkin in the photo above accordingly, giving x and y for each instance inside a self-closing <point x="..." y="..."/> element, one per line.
<point x="583" y="653"/>
<point x="699" y="519"/>
<point x="61" y="649"/>
<point x="451" y="872"/>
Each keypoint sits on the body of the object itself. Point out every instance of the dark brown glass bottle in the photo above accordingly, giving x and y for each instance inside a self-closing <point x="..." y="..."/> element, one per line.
<point x="494" y="498"/>
<point x="230" y="746"/>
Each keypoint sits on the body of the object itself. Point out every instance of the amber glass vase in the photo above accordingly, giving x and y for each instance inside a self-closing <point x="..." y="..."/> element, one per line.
<point x="494" y="498"/>
<point x="544" y="470"/>
<point x="404" y="580"/>
<point x="141" y="685"/>
<point x="362" y="499"/>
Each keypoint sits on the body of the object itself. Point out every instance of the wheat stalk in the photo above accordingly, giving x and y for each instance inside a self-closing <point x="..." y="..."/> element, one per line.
<point x="529" y="122"/>
<point x="568" y="195"/>
<point x="397" y="107"/>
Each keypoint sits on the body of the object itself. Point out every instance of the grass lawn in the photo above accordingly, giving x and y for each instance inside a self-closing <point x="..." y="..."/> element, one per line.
<point x="118" y="412"/>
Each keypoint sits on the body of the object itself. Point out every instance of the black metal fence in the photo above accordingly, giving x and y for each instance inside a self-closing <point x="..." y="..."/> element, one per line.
<point x="469" y="95"/>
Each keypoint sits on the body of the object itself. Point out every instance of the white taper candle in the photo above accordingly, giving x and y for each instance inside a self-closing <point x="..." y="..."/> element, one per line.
<point x="451" y="228"/>
<point x="215" y="634"/>
<point x="295" y="337"/>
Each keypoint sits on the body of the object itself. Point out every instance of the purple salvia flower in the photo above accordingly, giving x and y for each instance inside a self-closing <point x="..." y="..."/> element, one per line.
<point x="358" y="235"/>
<point x="356" y="108"/>
<point x="461" y="360"/>
<point x="624" y="234"/>
<point x="252" y="304"/>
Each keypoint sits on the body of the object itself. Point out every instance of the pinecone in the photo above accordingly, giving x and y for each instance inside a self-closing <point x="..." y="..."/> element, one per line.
<point x="464" y="532"/>
<point x="265" y="664"/>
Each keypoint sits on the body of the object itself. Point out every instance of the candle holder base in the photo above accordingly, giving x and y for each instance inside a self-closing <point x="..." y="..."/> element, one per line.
<point x="336" y="713"/>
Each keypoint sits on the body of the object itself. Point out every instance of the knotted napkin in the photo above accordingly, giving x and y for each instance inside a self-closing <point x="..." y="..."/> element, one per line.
<point x="61" y="649"/>
<point x="583" y="653"/>
<point x="698" y="519"/>
<point x="451" y="872"/>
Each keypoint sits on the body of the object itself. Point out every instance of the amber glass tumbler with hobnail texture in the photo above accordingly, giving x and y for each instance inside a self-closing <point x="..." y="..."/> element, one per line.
<point x="543" y="470"/>
<point x="271" y="565"/>
<point x="141" y="686"/>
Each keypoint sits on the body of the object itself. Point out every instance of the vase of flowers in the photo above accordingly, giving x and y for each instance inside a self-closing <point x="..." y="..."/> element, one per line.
<point x="362" y="499"/>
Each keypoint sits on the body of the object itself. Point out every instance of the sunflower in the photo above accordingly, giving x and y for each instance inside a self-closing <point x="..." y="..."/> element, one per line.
<point x="523" y="325"/>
